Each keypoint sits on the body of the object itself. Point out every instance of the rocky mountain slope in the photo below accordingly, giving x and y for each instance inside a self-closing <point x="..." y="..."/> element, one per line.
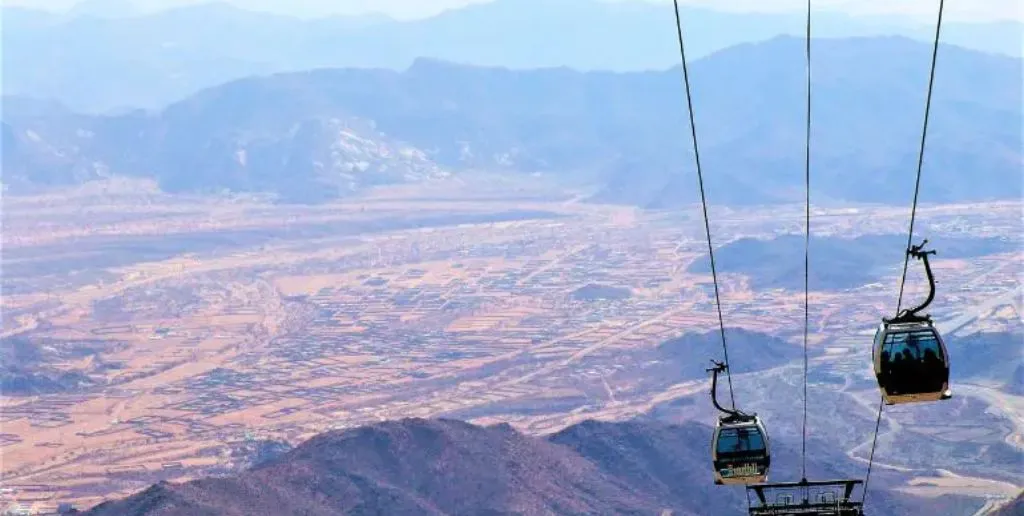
<point x="324" y="133"/>
<point x="417" y="466"/>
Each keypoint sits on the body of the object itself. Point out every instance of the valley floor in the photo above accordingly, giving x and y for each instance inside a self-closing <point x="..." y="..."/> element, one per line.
<point x="196" y="325"/>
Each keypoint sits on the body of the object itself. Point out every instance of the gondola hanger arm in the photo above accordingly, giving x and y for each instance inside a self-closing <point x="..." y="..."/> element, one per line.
<point x="910" y="315"/>
<point x="721" y="367"/>
<point x="917" y="250"/>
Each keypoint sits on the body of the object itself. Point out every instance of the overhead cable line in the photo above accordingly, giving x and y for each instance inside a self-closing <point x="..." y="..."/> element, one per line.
<point x="807" y="237"/>
<point x="703" y="199"/>
<point x="913" y="214"/>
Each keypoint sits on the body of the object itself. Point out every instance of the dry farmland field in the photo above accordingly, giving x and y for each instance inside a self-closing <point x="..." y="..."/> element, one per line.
<point x="149" y="337"/>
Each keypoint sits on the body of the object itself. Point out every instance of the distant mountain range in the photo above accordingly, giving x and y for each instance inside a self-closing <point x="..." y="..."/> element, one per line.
<point x="95" y="62"/>
<point x="320" y="134"/>
<point x="436" y="467"/>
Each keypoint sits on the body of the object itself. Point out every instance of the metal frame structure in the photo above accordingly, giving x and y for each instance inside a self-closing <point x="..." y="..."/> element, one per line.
<point x="804" y="498"/>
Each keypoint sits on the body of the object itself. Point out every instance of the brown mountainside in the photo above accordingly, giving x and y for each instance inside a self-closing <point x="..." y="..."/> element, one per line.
<point x="442" y="466"/>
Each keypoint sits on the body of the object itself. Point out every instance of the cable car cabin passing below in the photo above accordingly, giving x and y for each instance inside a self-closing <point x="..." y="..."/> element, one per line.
<point x="739" y="446"/>
<point x="910" y="358"/>
<point x="911" y="363"/>
<point x="740" y="451"/>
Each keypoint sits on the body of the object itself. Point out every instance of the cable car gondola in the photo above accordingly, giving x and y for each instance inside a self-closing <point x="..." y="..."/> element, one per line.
<point x="739" y="446"/>
<point x="910" y="357"/>
<point x="740" y="452"/>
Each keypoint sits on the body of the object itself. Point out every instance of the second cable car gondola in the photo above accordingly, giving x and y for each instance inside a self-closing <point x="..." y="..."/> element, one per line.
<point x="739" y="446"/>
<point x="911" y="362"/>
<point x="740" y="450"/>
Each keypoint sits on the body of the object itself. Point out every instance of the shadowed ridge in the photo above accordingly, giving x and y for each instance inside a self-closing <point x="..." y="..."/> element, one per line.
<point x="411" y="466"/>
<point x="161" y="498"/>
<point x="460" y="467"/>
<point x="1013" y="508"/>
<point x="668" y="462"/>
<point x="441" y="467"/>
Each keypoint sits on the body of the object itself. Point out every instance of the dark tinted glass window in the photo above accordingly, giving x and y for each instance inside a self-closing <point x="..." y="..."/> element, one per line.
<point x="740" y="440"/>
<point x="915" y="345"/>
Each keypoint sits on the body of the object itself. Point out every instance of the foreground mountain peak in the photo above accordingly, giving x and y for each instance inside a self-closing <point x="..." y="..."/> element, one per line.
<point x="410" y="466"/>
<point x="443" y="466"/>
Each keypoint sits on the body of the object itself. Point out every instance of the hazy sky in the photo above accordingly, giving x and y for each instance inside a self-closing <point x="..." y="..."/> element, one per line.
<point x="405" y="9"/>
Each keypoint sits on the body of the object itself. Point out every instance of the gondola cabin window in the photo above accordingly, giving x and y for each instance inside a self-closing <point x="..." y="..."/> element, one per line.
<point x="912" y="362"/>
<point x="737" y="442"/>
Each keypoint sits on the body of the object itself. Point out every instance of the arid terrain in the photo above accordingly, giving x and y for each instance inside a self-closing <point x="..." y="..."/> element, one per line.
<point x="153" y="333"/>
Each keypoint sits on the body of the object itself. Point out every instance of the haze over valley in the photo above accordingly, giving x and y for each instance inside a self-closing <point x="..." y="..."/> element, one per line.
<point x="107" y="56"/>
